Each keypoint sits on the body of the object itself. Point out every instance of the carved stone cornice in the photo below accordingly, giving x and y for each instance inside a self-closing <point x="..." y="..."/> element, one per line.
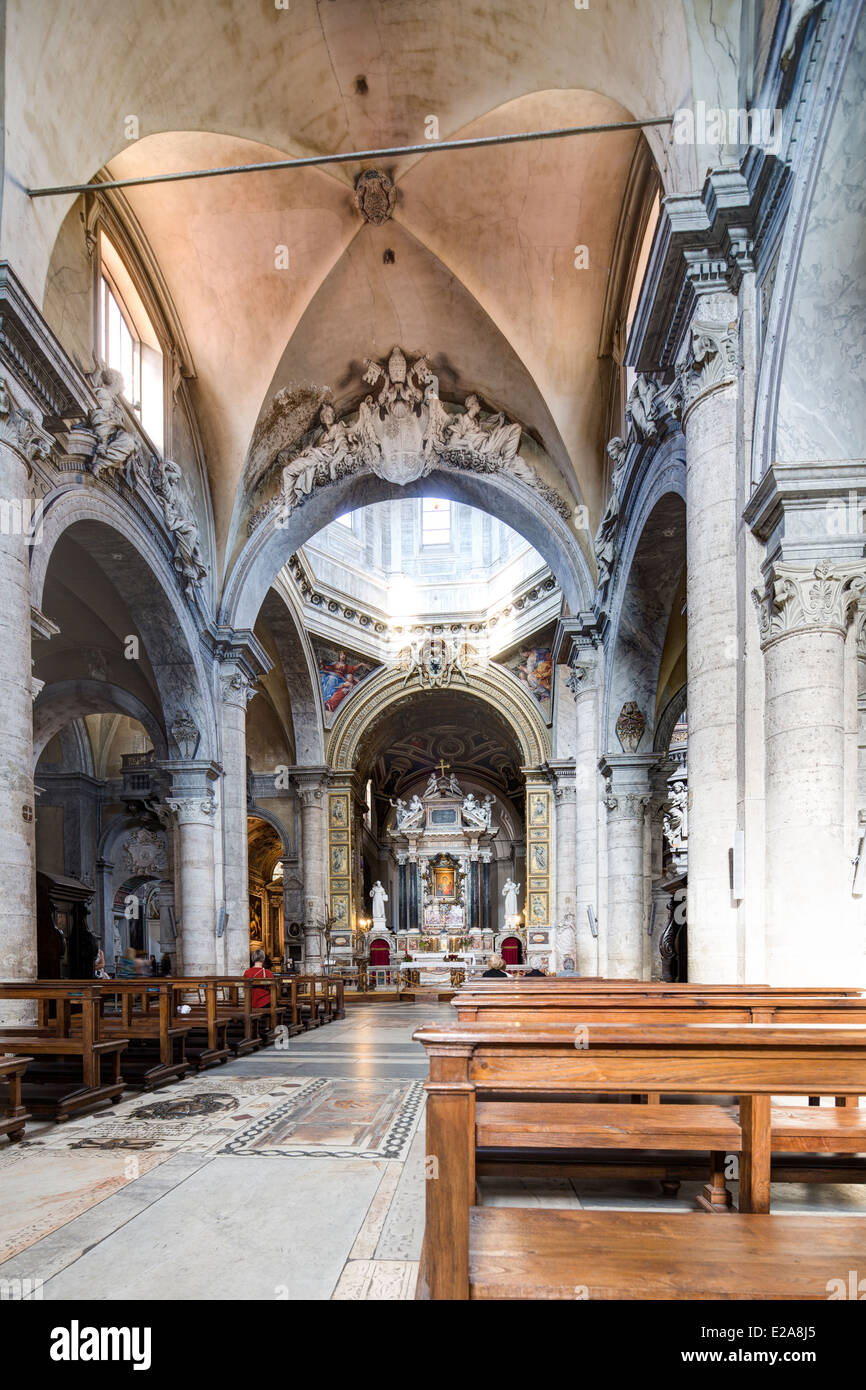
<point x="798" y="599"/>
<point x="711" y="361"/>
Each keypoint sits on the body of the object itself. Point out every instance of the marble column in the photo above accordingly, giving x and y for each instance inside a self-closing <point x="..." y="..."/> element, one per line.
<point x="709" y="377"/>
<point x="194" y="868"/>
<point x="810" y="916"/>
<point x="20" y="443"/>
<point x="583" y="683"/>
<point x="627" y="799"/>
<point x="403" y="907"/>
<point x="237" y="690"/>
<point x="311" y="794"/>
<point x="563" y="938"/>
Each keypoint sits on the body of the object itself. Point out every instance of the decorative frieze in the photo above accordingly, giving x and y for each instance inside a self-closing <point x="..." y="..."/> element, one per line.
<point x="798" y="599"/>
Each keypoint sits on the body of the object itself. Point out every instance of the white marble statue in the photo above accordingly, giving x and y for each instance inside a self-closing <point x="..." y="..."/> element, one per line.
<point x="477" y="814"/>
<point x="509" y="893"/>
<point x="379" y="898"/>
<point x="408" y="816"/>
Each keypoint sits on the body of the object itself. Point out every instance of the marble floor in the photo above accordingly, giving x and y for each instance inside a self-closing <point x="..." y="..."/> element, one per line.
<point x="295" y="1173"/>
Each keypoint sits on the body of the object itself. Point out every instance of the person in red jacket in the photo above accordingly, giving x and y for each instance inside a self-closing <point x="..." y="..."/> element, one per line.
<point x="257" y="971"/>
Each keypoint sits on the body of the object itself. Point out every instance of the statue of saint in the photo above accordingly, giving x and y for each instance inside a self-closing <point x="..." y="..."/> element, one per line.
<point x="379" y="898"/>
<point x="509" y="893"/>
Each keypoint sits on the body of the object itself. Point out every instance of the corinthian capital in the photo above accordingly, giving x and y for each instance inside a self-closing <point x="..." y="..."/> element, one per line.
<point x="806" y="600"/>
<point x="237" y="688"/>
<point x="711" y="362"/>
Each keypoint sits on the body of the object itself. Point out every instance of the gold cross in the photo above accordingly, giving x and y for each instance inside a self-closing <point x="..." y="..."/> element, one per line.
<point x="442" y="766"/>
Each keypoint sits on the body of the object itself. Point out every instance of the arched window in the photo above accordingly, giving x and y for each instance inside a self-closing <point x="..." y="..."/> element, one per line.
<point x="128" y="342"/>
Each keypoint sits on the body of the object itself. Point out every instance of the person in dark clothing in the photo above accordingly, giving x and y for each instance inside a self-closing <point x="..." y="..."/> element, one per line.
<point x="496" y="970"/>
<point x="534" y="970"/>
<point x="165" y="964"/>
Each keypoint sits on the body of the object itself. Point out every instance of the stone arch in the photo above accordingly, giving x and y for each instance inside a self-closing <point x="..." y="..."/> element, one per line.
<point x="387" y="690"/>
<point x="650" y="565"/>
<point x="270" y="545"/>
<point x="299" y="672"/>
<point x="141" y="573"/>
<point x="64" y="702"/>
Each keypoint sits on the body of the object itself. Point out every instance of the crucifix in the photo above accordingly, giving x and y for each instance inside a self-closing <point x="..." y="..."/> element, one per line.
<point x="443" y="767"/>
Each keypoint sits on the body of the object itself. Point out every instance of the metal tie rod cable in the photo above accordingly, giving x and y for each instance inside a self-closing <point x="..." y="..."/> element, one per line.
<point x="395" y="151"/>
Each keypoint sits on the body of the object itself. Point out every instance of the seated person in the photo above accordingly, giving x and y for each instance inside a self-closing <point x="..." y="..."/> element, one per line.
<point x="534" y="968"/>
<point x="567" y="966"/>
<point x="496" y="970"/>
<point x="261" y="997"/>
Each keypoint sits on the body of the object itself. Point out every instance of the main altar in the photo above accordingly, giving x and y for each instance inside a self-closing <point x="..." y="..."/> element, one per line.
<point x="443" y="843"/>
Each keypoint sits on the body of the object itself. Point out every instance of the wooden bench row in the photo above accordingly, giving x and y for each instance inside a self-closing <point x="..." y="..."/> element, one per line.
<point x="826" y="1136"/>
<point x="471" y="1251"/>
<point x="91" y="1038"/>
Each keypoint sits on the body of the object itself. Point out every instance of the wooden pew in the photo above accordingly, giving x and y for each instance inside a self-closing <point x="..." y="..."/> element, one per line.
<point x="207" y="1039"/>
<point x="478" y="1252"/>
<point x="148" y="1019"/>
<point x="55" y="1084"/>
<point x="232" y="1000"/>
<point x="16" y="1114"/>
<point x="794" y="1129"/>
<point x="291" y="1009"/>
<point x="310" y="1000"/>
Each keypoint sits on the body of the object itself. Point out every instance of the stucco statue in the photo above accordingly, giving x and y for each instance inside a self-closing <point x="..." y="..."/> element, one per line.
<point x="115" y="446"/>
<point x="169" y="486"/>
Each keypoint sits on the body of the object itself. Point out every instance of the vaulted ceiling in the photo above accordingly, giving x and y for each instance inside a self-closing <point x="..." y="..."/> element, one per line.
<point x="482" y="274"/>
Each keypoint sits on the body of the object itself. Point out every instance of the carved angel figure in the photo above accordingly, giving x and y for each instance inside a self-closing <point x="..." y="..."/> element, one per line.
<point x="477" y="814"/>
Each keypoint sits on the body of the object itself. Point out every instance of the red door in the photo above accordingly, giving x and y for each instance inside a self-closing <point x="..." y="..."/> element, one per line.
<point x="380" y="952"/>
<point x="510" y="950"/>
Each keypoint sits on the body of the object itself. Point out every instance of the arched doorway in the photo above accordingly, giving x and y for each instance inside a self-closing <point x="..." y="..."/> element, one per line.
<point x="511" y="951"/>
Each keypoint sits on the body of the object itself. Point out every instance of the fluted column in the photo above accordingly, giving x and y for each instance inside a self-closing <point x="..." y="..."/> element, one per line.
<point x="627" y="799"/>
<point x="709" y="377"/>
<point x="311" y="793"/>
<point x="20" y="443"/>
<point x="810" y="919"/>
<point x="194" y="869"/>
